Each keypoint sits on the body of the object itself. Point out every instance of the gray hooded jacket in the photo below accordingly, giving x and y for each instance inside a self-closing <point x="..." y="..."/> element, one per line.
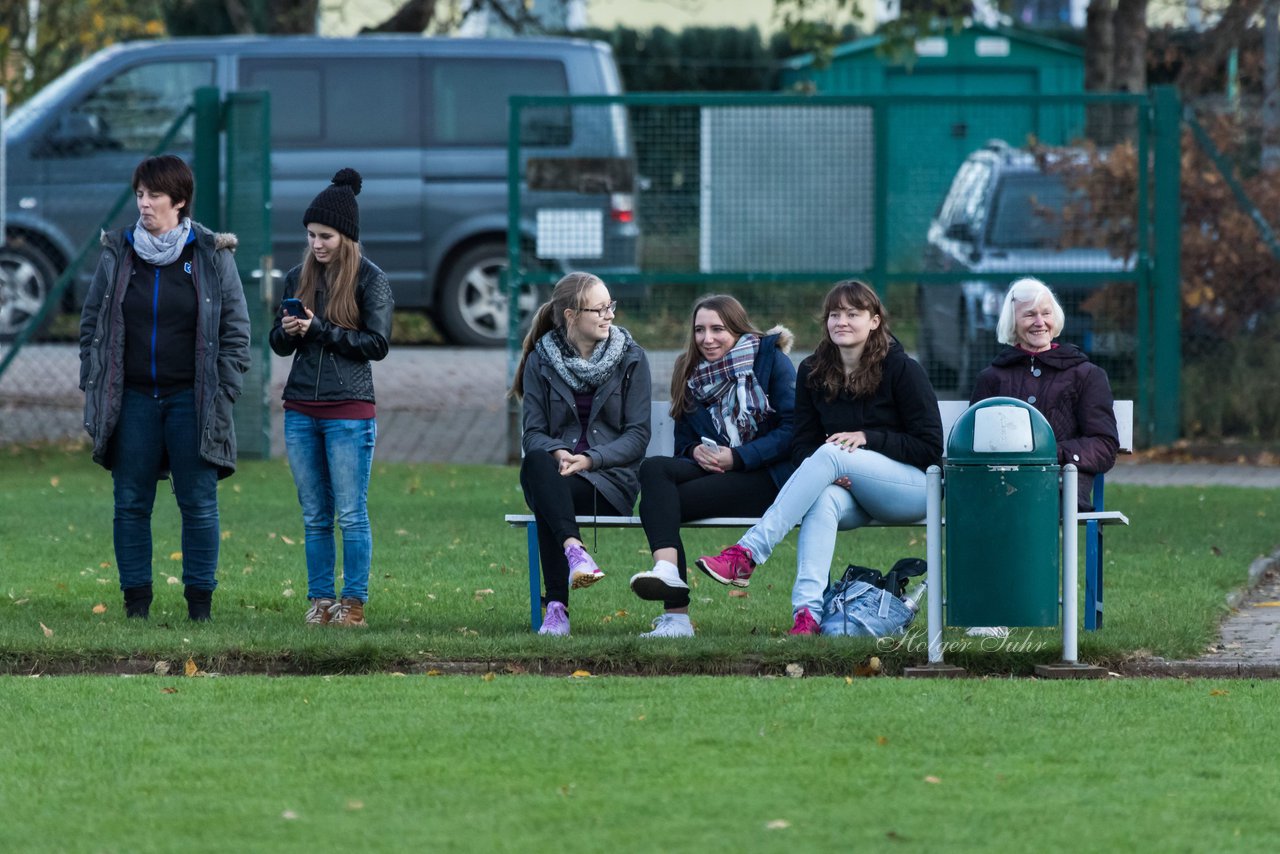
<point x="222" y="344"/>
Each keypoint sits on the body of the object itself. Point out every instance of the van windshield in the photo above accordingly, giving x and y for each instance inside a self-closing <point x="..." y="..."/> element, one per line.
<point x="1027" y="212"/>
<point x="30" y="111"/>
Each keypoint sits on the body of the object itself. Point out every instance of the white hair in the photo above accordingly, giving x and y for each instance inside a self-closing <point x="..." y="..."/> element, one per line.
<point x="1021" y="292"/>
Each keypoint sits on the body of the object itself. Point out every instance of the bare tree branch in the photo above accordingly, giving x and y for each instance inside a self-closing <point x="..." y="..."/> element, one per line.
<point x="413" y="16"/>
<point x="1201" y="67"/>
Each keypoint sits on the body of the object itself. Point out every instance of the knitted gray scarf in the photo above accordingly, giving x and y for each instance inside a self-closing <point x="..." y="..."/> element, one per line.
<point x="161" y="250"/>
<point x="584" y="375"/>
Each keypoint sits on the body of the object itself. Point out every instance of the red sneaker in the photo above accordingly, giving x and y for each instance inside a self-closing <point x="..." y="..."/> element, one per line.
<point x="805" y="624"/>
<point x="732" y="566"/>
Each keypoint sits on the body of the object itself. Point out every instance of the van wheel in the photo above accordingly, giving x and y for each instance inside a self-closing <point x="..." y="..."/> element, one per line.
<point x="472" y="305"/>
<point x="26" y="277"/>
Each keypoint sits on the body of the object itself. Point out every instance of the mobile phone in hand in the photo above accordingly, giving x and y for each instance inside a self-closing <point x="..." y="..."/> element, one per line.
<point x="710" y="444"/>
<point x="294" y="308"/>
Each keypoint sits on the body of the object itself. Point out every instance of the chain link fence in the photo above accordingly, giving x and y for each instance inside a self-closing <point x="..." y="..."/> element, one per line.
<point x="938" y="202"/>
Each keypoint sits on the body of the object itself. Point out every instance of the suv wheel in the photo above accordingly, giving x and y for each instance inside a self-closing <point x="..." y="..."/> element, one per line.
<point x="473" y="305"/>
<point x="26" y="277"/>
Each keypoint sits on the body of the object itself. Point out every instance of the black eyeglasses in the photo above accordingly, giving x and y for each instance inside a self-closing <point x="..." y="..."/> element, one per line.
<point x="610" y="309"/>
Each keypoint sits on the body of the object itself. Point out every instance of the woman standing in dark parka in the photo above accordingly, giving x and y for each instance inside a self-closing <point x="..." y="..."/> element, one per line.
<point x="164" y="344"/>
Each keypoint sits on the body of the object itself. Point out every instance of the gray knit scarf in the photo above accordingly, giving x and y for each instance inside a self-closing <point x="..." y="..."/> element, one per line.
<point x="731" y="391"/>
<point x="164" y="249"/>
<point x="584" y="375"/>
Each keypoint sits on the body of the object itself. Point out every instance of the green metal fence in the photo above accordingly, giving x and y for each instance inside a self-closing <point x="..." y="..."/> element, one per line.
<point x="774" y="198"/>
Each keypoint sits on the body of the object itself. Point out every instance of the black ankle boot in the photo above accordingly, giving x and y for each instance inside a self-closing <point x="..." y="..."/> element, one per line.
<point x="137" y="602"/>
<point x="199" y="603"/>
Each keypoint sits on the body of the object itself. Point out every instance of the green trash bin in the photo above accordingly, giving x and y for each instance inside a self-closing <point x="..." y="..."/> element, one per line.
<point x="1002" y="514"/>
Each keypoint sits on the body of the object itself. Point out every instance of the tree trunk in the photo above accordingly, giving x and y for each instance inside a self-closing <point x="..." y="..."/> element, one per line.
<point x="1202" y="66"/>
<point x="412" y="17"/>
<point x="1129" y="46"/>
<point x="1099" y="52"/>
<point x="291" y="17"/>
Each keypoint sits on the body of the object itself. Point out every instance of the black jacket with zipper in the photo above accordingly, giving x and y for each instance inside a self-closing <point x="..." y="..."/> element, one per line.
<point x="331" y="362"/>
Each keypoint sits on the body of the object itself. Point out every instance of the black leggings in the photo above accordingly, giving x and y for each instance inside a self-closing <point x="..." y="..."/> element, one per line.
<point x="676" y="489"/>
<point x="555" y="500"/>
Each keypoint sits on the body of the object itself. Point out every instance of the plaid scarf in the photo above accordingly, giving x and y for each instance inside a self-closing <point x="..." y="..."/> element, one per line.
<point x="583" y="375"/>
<point x="730" y="391"/>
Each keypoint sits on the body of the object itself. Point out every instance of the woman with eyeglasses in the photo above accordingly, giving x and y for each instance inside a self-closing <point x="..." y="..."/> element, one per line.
<point x="584" y="385"/>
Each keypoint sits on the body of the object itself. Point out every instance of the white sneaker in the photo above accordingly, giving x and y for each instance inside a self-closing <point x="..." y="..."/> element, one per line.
<point x="659" y="583"/>
<point x="671" y="626"/>
<point x="988" y="632"/>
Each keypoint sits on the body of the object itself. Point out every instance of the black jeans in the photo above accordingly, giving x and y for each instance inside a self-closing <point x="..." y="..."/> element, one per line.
<point x="555" y="500"/>
<point x="676" y="489"/>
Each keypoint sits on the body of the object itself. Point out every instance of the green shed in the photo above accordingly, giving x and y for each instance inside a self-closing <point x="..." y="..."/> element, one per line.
<point x="927" y="141"/>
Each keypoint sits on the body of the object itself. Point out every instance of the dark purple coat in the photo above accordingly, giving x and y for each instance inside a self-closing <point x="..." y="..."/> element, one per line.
<point x="1072" y="393"/>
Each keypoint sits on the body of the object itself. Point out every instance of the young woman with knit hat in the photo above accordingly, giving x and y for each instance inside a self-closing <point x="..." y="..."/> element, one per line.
<point x="329" y="423"/>
<point x="584" y="386"/>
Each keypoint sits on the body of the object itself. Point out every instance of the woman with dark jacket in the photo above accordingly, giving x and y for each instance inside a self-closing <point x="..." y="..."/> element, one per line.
<point x="164" y="342"/>
<point x="329" y="419"/>
<point x="1071" y="392"/>
<point x="733" y="396"/>
<point x="866" y="428"/>
<point x="584" y="386"/>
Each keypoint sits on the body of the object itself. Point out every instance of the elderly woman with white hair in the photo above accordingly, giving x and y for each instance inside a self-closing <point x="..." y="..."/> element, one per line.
<point x="1071" y="392"/>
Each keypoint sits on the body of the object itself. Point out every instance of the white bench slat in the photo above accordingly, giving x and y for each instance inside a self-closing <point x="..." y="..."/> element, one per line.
<point x="521" y="520"/>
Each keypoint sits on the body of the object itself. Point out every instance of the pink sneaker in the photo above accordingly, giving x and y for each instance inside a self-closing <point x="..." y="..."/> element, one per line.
<point x="556" y="622"/>
<point x="732" y="566"/>
<point x="583" y="571"/>
<point x="805" y="624"/>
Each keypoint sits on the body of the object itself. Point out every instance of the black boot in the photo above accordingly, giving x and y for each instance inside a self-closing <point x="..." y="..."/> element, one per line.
<point x="137" y="602"/>
<point x="198" y="603"/>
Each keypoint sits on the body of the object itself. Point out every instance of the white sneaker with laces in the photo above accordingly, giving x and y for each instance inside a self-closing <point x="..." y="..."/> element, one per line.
<point x="988" y="632"/>
<point x="659" y="583"/>
<point x="670" y="626"/>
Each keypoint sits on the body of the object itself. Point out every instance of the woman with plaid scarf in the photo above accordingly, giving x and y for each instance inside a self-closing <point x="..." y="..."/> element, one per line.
<point x="732" y="398"/>
<point x="867" y="427"/>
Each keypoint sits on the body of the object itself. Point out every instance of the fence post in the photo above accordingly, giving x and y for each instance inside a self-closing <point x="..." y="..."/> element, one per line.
<point x="207" y="157"/>
<point x="1166" y="315"/>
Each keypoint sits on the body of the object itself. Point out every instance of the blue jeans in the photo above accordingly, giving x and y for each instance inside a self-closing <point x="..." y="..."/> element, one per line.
<point x="331" y="459"/>
<point x="154" y="433"/>
<point x="882" y="489"/>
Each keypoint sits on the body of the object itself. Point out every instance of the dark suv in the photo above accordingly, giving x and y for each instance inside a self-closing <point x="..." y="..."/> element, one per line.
<point x="1002" y="220"/>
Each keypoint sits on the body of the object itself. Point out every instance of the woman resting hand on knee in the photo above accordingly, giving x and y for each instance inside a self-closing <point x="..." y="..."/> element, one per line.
<point x="584" y="388"/>
<point x="732" y="399"/>
<point x="866" y="428"/>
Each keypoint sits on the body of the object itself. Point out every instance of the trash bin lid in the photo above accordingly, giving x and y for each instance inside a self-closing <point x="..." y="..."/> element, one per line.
<point x="1001" y="431"/>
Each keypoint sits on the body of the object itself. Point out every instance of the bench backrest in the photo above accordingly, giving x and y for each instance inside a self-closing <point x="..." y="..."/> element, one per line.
<point x="662" y="442"/>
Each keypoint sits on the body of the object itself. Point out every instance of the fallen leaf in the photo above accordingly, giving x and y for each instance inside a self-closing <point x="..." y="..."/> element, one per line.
<point x="288" y="541"/>
<point x="173" y="579"/>
<point x="932" y="779"/>
<point x="881" y="740"/>
<point x="434" y="672"/>
<point x="848" y="680"/>
<point x="100" y="608"/>
<point x="795" y="671"/>
<point x="1218" y="692"/>
<point x="402" y="532"/>
<point x="168" y="690"/>
<point x="288" y="815"/>
<point x="488" y="677"/>
<point x="778" y="824"/>
<point x="190" y="668"/>
<point x="175" y="556"/>
<point x="577" y="674"/>
<point x="871" y="668"/>
<point x="1215" y="551"/>
<point x="352" y="806"/>
<point x="226" y="535"/>
<point x="161" y="668"/>
<point x="54" y="481"/>
<point x="1266" y="604"/>
<point x="620" y="613"/>
<point x="396" y="673"/>
<point x="739" y="594"/>
<point x="48" y="632"/>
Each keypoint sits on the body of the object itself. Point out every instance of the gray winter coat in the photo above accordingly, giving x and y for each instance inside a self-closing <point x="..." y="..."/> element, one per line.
<point x="222" y="343"/>
<point x="618" y="427"/>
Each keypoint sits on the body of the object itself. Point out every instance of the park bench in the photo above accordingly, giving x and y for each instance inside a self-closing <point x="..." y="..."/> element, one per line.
<point x="662" y="443"/>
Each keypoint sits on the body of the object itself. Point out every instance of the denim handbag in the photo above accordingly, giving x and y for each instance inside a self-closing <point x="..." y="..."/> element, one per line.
<point x="859" y="609"/>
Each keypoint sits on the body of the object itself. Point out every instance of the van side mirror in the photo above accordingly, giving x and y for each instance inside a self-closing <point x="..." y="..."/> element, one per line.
<point x="960" y="231"/>
<point x="77" y="133"/>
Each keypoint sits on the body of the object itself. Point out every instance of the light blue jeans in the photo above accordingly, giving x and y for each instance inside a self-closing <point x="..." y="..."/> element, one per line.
<point x="331" y="459"/>
<point x="882" y="490"/>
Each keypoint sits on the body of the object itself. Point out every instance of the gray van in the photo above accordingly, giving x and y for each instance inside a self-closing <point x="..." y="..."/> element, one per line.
<point x="423" y="119"/>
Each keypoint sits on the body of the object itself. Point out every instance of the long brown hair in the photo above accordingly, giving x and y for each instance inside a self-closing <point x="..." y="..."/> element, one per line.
<point x="827" y="375"/>
<point x="735" y="319"/>
<point x="339" y="277"/>
<point x="568" y="294"/>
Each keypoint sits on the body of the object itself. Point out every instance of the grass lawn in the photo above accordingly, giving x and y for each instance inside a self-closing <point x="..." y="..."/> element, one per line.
<point x="380" y="763"/>
<point x="450" y="583"/>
